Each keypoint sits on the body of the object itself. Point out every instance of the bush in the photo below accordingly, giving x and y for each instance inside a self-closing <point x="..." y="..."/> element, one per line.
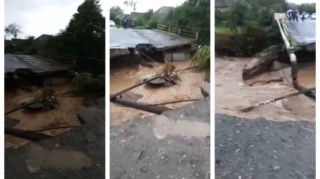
<point x="153" y="22"/>
<point x="85" y="83"/>
<point x="202" y="57"/>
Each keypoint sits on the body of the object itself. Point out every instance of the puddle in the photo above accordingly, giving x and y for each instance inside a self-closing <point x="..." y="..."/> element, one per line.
<point x="39" y="157"/>
<point x="64" y="115"/>
<point x="162" y="127"/>
<point x="231" y="93"/>
<point x="188" y="88"/>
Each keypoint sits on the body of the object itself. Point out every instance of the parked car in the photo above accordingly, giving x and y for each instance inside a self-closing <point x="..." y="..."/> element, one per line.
<point x="112" y="24"/>
<point x="313" y="16"/>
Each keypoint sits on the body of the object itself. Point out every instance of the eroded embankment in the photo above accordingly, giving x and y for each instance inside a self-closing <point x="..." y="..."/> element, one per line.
<point x="232" y="93"/>
<point x="187" y="88"/>
<point x="64" y="115"/>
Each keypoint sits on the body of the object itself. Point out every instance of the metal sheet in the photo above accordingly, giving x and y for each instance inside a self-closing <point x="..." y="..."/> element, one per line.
<point x="303" y="32"/>
<point x="130" y="38"/>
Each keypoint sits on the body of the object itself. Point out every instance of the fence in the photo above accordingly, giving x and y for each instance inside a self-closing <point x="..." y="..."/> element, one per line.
<point x="57" y="57"/>
<point x="178" y="31"/>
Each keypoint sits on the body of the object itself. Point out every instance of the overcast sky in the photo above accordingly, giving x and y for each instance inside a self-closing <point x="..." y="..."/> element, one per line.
<point x="302" y="1"/>
<point x="38" y="17"/>
<point x="145" y="5"/>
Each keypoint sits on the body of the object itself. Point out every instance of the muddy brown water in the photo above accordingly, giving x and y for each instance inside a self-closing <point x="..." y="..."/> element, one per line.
<point x="63" y="115"/>
<point x="187" y="88"/>
<point x="232" y="93"/>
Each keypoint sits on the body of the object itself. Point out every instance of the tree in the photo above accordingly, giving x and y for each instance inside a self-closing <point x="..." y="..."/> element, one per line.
<point x="114" y="12"/>
<point x="131" y="3"/>
<point x="12" y="29"/>
<point x="192" y="15"/>
<point x="84" y="37"/>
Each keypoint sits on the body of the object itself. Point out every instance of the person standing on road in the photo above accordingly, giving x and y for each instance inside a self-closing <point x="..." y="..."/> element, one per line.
<point x="125" y="23"/>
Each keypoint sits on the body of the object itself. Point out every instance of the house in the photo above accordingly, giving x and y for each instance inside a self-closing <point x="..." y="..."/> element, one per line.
<point x="222" y="5"/>
<point x="163" y="12"/>
<point x="121" y="17"/>
<point x="43" y="39"/>
<point x="135" y="15"/>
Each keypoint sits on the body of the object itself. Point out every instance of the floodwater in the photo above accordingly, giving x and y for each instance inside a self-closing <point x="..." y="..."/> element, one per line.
<point x="232" y="93"/>
<point x="63" y="115"/>
<point x="187" y="88"/>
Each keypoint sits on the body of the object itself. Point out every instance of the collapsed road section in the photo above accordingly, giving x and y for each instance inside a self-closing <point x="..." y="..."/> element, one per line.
<point x="296" y="36"/>
<point x="129" y="45"/>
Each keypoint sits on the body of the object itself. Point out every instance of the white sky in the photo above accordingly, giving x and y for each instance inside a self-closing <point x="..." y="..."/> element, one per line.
<point x="145" y="5"/>
<point x="37" y="17"/>
<point x="301" y="1"/>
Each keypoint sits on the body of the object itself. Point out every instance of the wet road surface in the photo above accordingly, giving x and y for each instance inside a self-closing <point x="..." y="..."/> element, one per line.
<point x="250" y="149"/>
<point x="130" y="38"/>
<point x="303" y="32"/>
<point x="12" y="64"/>
<point x="163" y="146"/>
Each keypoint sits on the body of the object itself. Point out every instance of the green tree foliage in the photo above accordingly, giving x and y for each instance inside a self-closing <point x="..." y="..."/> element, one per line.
<point x="140" y="22"/>
<point x="192" y="15"/>
<point x="249" y="26"/>
<point x="114" y="12"/>
<point x="83" y="37"/>
<point x="86" y="83"/>
<point x="307" y="7"/>
<point x="202" y="57"/>
<point x="153" y="22"/>
<point x="12" y="29"/>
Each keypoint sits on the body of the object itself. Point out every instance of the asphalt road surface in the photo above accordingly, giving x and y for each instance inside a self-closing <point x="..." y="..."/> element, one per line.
<point x="12" y="64"/>
<point x="250" y="149"/>
<point x="304" y="32"/>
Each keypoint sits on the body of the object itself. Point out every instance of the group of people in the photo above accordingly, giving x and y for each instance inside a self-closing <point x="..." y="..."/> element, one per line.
<point x="293" y="15"/>
<point x="127" y="23"/>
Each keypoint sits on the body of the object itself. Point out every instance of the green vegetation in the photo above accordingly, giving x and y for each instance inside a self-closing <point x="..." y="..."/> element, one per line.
<point x="83" y="37"/>
<point x="86" y="83"/>
<point x="248" y="27"/>
<point x="193" y="15"/>
<point x="202" y="57"/>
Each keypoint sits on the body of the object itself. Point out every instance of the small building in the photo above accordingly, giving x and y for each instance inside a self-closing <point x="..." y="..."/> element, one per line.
<point x="163" y="12"/>
<point x="43" y="39"/>
<point x="222" y="5"/>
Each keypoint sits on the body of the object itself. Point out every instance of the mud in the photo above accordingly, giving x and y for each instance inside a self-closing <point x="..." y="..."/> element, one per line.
<point x="187" y="88"/>
<point x="63" y="115"/>
<point x="232" y="93"/>
<point x="40" y="157"/>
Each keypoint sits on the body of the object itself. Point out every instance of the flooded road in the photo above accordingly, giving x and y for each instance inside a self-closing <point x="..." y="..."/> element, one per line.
<point x="63" y="115"/>
<point x="232" y="93"/>
<point x="187" y="88"/>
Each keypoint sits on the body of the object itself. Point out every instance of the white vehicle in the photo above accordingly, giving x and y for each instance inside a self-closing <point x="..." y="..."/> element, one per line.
<point x="112" y="24"/>
<point x="313" y="16"/>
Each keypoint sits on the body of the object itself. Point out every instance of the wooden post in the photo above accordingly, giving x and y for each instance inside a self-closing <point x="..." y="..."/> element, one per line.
<point x="169" y="29"/>
<point x="197" y="35"/>
<point x="179" y="31"/>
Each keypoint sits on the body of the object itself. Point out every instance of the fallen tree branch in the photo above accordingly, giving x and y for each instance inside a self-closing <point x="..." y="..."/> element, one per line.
<point x="172" y="102"/>
<point x="24" y="134"/>
<point x="134" y="86"/>
<point x="33" y="102"/>
<point x="140" y="106"/>
<point x="267" y="81"/>
<point x="275" y="99"/>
